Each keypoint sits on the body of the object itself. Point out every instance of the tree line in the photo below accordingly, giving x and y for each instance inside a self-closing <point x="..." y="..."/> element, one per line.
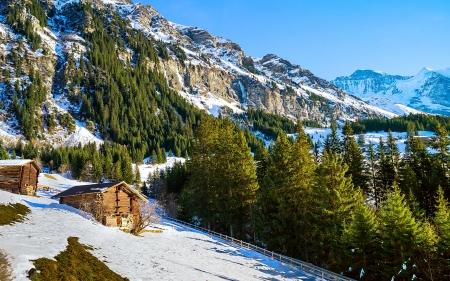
<point x="404" y="123"/>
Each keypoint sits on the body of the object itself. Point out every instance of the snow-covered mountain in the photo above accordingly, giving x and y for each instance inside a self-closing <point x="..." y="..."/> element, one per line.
<point x="427" y="91"/>
<point x="211" y="72"/>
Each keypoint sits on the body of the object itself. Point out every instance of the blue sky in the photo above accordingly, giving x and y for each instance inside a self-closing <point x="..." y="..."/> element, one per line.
<point x="330" y="38"/>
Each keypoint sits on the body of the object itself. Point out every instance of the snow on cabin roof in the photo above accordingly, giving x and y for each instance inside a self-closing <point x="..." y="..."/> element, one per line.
<point x="19" y="162"/>
<point x="95" y="188"/>
<point x="15" y="162"/>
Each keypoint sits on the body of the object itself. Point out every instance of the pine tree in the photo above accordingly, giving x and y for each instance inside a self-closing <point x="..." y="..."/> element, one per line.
<point x="137" y="177"/>
<point x="97" y="167"/>
<point x="295" y="204"/>
<point x="236" y="178"/>
<point x="200" y="192"/>
<point x="441" y="142"/>
<point x="354" y="159"/>
<point x="278" y="178"/>
<point x="332" y="143"/>
<point x="385" y="173"/>
<point x="262" y="162"/>
<point x="418" y="174"/>
<point x="402" y="238"/>
<point x="372" y="167"/>
<point x="118" y="171"/>
<point x="442" y="222"/>
<point x="360" y="243"/>
<point x="3" y="152"/>
<point x="127" y="169"/>
<point x="335" y="198"/>
<point x="393" y="155"/>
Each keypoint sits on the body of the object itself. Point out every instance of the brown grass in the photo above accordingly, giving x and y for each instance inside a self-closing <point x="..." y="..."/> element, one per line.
<point x="5" y="270"/>
<point x="73" y="264"/>
<point x="50" y="177"/>
<point x="12" y="213"/>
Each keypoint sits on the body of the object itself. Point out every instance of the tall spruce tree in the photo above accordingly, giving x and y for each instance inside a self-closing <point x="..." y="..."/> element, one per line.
<point x="261" y="161"/>
<point x="385" y="172"/>
<point x="442" y="222"/>
<point x="402" y="238"/>
<point x="335" y="197"/>
<point x="354" y="159"/>
<point x="417" y="174"/>
<point x="360" y="244"/>
<point x="372" y="167"/>
<point x="201" y="189"/>
<point x="392" y="155"/>
<point x="441" y="143"/>
<point x="332" y="143"/>
<point x="236" y="178"/>
<point x="278" y="178"/>
<point x="295" y="204"/>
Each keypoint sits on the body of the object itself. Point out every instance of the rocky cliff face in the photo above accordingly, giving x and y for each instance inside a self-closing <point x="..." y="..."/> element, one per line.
<point x="209" y="71"/>
<point x="270" y="83"/>
<point x="427" y="91"/>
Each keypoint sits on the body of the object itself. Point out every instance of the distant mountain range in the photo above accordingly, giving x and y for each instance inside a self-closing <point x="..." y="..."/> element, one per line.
<point x="427" y="91"/>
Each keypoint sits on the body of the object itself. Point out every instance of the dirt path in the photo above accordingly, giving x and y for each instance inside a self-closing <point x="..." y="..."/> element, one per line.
<point x="5" y="271"/>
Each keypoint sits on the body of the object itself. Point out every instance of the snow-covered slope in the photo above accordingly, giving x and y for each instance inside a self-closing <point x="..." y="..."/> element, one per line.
<point x="175" y="254"/>
<point x="427" y="91"/>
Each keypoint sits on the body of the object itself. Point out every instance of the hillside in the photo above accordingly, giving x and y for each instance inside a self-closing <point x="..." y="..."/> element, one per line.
<point x="175" y="254"/>
<point x="427" y="91"/>
<point x="120" y="71"/>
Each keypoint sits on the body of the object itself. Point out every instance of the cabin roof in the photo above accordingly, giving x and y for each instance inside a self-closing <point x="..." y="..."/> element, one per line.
<point x="96" y="188"/>
<point x="19" y="162"/>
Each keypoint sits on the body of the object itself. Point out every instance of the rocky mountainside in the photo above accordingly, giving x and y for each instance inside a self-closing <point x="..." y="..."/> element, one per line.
<point x="61" y="60"/>
<point x="427" y="91"/>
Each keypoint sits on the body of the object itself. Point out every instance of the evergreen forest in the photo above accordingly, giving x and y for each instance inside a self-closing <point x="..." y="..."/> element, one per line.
<point x="372" y="215"/>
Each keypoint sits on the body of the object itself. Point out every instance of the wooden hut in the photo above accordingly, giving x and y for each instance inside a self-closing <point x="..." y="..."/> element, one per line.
<point x="114" y="204"/>
<point x="19" y="176"/>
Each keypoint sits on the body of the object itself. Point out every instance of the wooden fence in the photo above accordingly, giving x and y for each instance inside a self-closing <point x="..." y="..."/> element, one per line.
<point x="298" y="264"/>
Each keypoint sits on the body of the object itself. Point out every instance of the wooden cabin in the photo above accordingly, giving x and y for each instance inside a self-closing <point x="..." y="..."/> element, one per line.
<point x="19" y="176"/>
<point x="115" y="204"/>
<point x="425" y="139"/>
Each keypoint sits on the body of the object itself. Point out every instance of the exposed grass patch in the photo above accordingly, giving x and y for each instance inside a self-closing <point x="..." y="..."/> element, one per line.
<point x="5" y="271"/>
<point x="75" y="263"/>
<point x="152" y="230"/>
<point x="50" y="177"/>
<point x="13" y="213"/>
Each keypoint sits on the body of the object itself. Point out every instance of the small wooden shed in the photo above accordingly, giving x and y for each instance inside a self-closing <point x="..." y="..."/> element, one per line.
<point x="114" y="204"/>
<point x="19" y="176"/>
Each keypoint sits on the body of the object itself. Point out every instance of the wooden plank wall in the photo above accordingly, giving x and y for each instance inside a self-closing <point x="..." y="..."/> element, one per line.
<point x="76" y="200"/>
<point x="10" y="178"/>
<point x="116" y="201"/>
<point x="29" y="178"/>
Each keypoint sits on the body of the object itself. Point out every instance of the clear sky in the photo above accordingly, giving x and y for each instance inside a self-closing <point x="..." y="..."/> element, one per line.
<point x="330" y="38"/>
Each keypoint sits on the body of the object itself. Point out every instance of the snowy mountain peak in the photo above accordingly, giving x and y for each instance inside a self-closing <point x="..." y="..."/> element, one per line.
<point x="427" y="91"/>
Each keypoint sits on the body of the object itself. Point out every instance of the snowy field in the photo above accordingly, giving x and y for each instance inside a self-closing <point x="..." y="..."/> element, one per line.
<point x="146" y="169"/>
<point x="175" y="254"/>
